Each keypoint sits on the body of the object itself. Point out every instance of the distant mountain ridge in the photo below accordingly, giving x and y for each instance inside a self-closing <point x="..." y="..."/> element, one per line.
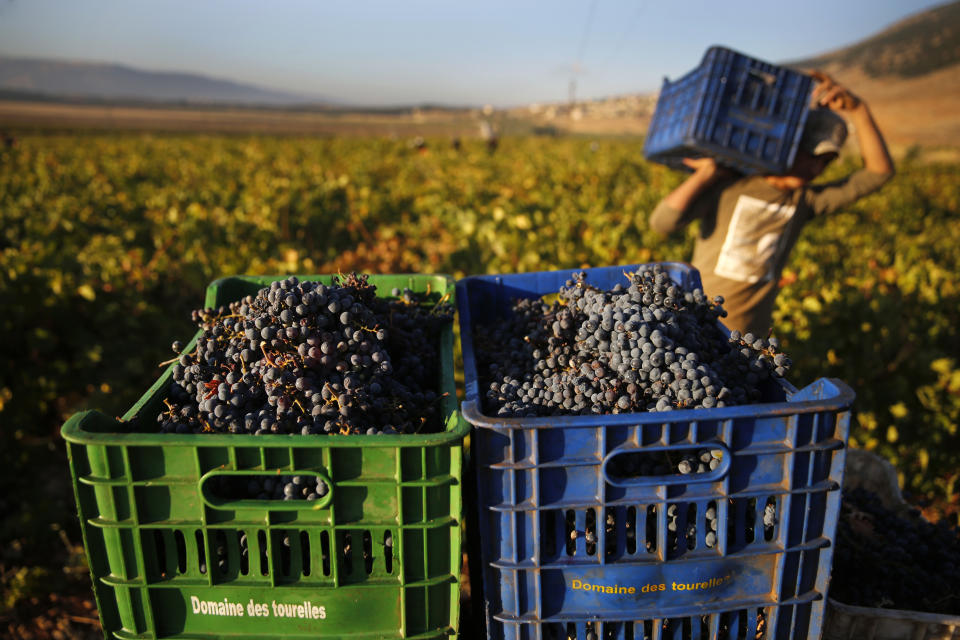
<point x="917" y="45"/>
<point x="114" y="81"/>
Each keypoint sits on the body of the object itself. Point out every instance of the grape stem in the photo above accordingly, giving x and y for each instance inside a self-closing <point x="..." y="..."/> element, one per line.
<point x="333" y="393"/>
<point x="443" y="299"/>
<point x="267" y="355"/>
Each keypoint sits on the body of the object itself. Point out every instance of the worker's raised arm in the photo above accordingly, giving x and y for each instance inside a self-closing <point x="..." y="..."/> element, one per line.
<point x="678" y="209"/>
<point x="832" y="95"/>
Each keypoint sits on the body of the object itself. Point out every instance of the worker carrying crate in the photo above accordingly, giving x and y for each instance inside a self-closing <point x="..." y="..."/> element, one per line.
<point x="756" y="135"/>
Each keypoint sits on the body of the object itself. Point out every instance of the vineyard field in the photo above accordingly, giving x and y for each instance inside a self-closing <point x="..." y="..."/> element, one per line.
<point x="108" y="240"/>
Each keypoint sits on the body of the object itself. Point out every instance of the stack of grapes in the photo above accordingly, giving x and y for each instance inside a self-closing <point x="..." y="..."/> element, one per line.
<point x="650" y="346"/>
<point x="309" y="358"/>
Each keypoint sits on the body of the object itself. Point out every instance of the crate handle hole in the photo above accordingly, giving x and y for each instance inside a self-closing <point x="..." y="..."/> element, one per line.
<point x="276" y="490"/>
<point x="666" y="464"/>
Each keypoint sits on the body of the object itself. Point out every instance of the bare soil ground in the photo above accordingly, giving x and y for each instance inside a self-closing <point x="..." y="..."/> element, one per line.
<point x="46" y="115"/>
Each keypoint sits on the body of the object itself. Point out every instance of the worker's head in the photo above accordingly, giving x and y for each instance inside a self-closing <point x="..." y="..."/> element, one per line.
<point x="823" y="137"/>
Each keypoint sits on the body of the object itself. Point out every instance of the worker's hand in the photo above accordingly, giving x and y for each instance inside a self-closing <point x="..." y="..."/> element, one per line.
<point x="831" y="94"/>
<point x="707" y="167"/>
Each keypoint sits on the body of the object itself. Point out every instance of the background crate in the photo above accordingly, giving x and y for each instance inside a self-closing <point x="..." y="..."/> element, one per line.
<point x="746" y="113"/>
<point x="544" y="484"/>
<point x="866" y="470"/>
<point x="156" y="538"/>
<point x="845" y="622"/>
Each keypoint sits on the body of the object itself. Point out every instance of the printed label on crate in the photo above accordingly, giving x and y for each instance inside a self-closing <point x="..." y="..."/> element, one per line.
<point x="637" y="586"/>
<point x="305" y="610"/>
<point x="283" y="610"/>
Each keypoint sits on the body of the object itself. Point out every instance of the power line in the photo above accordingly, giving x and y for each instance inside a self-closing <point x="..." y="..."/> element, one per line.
<point x="586" y="30"/>
<point x="631" y="24"/>
<point x="577" y="68"/>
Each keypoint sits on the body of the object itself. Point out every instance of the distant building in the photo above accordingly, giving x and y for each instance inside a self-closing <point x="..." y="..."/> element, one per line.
<point x="627" y="106"/>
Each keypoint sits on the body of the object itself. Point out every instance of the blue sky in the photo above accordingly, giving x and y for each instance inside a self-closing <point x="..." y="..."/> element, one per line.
<point x="414" y="51"/>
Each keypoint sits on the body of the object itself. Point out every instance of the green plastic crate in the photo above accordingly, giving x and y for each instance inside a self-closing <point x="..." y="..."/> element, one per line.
<point x="164" y="552"/>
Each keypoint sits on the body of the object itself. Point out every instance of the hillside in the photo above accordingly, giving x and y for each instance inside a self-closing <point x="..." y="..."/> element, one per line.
<point x="909" y="74"/>
<point x="923" y="43"/>
<point x="118" y="82"/>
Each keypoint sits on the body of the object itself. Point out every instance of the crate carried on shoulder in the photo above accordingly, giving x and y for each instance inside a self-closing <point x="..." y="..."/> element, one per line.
<point x="374" y="551"/>
<point x="746" y="113"/>
<point x="687" y="523"/>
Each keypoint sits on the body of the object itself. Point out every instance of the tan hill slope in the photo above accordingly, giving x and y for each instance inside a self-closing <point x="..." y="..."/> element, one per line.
<point x="922" y="110"/>
<point x="909" y="73"/>
<point x="915" y="46"/>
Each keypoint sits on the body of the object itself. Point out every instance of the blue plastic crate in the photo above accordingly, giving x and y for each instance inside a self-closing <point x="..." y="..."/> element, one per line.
<point x="543" y="483"/>
<point x="746" y="113"/>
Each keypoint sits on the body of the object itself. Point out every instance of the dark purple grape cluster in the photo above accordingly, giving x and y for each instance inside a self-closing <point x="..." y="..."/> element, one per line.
<point x="894" y="559"/>
<point x="309" y="358"/>
<point x="270" y="487"/>
<point x="649" y="346"/>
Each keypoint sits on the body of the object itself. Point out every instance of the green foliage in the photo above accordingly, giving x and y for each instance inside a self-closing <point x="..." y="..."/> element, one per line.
<point x="107" y="241"/>
<point x="24" y="582"/>
<point x="876" y="302"/>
